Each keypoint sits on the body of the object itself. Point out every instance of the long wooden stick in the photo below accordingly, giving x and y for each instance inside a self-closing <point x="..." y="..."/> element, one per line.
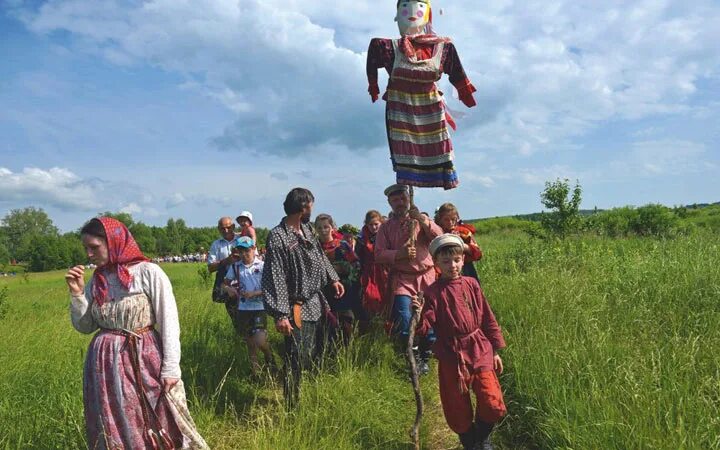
<point x="415" y="431"/>
<point x="414" y="376"/>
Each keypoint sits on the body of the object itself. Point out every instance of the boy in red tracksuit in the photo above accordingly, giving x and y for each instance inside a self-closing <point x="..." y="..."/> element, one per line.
<point x="468" y="338"/>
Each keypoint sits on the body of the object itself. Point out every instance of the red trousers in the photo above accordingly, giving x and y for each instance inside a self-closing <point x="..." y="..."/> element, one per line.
<point x="457" y="406"/>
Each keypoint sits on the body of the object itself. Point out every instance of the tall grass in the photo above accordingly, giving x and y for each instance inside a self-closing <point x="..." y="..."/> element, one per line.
<point x="362" y="399"/>
<point x="612" y="343"/>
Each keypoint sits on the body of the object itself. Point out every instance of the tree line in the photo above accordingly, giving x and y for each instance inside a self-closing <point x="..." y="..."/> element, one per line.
<point x="29" y="237"/>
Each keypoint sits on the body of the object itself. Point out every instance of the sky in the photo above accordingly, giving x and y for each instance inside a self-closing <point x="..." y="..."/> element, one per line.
<point x="197" y="109"/>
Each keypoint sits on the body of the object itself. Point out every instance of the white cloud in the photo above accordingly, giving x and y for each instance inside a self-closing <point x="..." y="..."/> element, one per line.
<point x="131" y="208"/>
<point x="293" y="72"/>
<point x="174" y="200"/>
<point x="482" y="180"/>
<point x="55" y="187"/>
<point x="666" y="157"/>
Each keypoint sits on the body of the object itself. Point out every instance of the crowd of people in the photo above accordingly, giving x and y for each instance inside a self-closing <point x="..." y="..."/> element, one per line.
<point x="186" y="258"/>
<point x="318" y="286"/>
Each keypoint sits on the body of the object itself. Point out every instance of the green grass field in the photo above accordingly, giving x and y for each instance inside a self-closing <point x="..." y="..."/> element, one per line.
<point x="612" y="344"/>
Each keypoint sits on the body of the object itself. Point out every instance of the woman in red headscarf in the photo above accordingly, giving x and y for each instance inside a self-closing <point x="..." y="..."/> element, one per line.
<point x="132" y="391"/>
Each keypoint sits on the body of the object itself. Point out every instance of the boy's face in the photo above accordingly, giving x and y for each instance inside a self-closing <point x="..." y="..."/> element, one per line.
<point x="450" y="266"/>
<point x="244" y="222"/>
<point x="247" y="255"/>
<point x="324" y="230"/>
<point x="448" y="222"/>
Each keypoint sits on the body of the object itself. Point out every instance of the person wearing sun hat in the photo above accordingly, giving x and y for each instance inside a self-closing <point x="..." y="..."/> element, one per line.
<point x="245" y="220"/>
<point x="468" y="338"/>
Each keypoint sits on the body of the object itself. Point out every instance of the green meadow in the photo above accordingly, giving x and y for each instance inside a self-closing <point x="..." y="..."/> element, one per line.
<point x="613" y="343"/>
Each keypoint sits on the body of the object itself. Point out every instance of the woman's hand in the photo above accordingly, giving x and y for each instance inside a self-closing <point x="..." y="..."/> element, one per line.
<point x="497" y="364"/>
<point x="75" y="279"/>
<point x="169" y="383"/>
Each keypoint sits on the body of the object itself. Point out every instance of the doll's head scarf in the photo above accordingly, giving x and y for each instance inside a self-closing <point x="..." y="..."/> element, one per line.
<point x="123" y="252"/>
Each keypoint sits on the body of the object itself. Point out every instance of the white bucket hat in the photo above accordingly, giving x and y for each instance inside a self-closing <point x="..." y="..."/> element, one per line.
<point x="444" y="240"/>
<point x="247" y="214"/>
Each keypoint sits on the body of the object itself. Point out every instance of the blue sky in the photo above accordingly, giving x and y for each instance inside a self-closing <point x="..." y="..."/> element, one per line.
<point x="203" y="108"/>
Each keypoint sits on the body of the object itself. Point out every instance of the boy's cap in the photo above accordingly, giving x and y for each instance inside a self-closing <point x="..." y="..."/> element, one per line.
<point x="247" y="214"/>
<point x="244" y="242"/>
<point x="444" y="240"/>
<point x="395" y="188"/>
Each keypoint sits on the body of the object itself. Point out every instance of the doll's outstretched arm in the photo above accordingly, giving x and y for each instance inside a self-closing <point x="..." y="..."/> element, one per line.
<point x="377" y="57"/>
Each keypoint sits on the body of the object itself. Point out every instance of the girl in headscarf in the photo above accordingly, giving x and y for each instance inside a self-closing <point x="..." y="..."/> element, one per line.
<point x="448" y="217"/>
<point x="373" y="277"/>
<point x="132" y="388"/>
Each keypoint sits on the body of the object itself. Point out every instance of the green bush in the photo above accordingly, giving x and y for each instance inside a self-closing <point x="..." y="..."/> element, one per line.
<point x="614" y="223"/>
<point x="654" y="220"/>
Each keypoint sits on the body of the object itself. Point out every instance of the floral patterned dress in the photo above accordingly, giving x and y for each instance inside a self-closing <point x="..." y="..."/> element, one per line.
<point x="138" y="344"/>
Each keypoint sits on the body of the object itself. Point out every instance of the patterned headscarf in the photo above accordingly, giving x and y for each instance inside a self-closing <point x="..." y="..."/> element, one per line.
<point x="123" y="252"/>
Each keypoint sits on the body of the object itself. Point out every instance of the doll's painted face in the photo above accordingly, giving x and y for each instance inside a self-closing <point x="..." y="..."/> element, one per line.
<point x="412" y="16"/>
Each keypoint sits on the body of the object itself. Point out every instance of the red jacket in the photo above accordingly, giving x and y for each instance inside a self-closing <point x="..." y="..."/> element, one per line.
<point x="465" y="326"/>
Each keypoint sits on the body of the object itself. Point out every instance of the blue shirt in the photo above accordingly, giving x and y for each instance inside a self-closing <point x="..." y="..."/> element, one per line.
<point x="249" y="278"/>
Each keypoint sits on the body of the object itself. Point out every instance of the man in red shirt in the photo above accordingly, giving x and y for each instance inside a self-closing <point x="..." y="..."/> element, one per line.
<point x="410" y="266"/>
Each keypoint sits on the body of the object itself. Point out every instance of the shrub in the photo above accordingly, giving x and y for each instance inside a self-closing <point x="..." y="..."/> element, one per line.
<point x="206" y="278"/>
<point x="654" y="220"/>
<point x="564" y="217"/>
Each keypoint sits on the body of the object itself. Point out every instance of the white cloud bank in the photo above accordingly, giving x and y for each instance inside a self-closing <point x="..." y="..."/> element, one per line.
<point x="55" y="187"/>
<point x="293" y="72"/>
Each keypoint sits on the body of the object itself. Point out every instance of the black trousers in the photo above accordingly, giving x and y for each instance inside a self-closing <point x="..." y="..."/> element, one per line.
<point x="299" y="351"/>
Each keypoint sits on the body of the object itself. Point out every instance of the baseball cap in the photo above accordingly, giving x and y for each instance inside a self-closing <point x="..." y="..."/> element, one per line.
<point x="244" y="242"/>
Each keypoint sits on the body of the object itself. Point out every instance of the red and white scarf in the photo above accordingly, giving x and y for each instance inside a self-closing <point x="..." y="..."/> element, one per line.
<point x="123" y="252"/>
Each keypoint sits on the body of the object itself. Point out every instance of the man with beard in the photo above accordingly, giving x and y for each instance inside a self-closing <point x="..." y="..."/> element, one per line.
<point x="410" y="266"/>
<point x="296" y="271"/>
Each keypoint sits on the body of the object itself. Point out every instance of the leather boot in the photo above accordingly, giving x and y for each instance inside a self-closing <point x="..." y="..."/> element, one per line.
<point x="483" y="436"/>
<point x="469" y="438"/>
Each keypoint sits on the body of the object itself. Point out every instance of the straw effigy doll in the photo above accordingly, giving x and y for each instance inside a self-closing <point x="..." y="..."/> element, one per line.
<point x="416" y="115"/>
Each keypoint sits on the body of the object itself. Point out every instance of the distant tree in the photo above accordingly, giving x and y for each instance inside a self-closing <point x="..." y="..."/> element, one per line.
<point x="163" y="245"/>
<point x="176" y="231"/>
<point x="73" y="250"/>
<point x="143" y="235"/>
<point x="4" y="254"/>
<point x="46" y="254"/>
<point x="564" y="205"/>
<point x="19" y="223"/>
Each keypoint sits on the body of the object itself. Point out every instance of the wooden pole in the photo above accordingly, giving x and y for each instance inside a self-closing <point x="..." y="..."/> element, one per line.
<point x="415" y="431"/>
<point x="410" y="354"/>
